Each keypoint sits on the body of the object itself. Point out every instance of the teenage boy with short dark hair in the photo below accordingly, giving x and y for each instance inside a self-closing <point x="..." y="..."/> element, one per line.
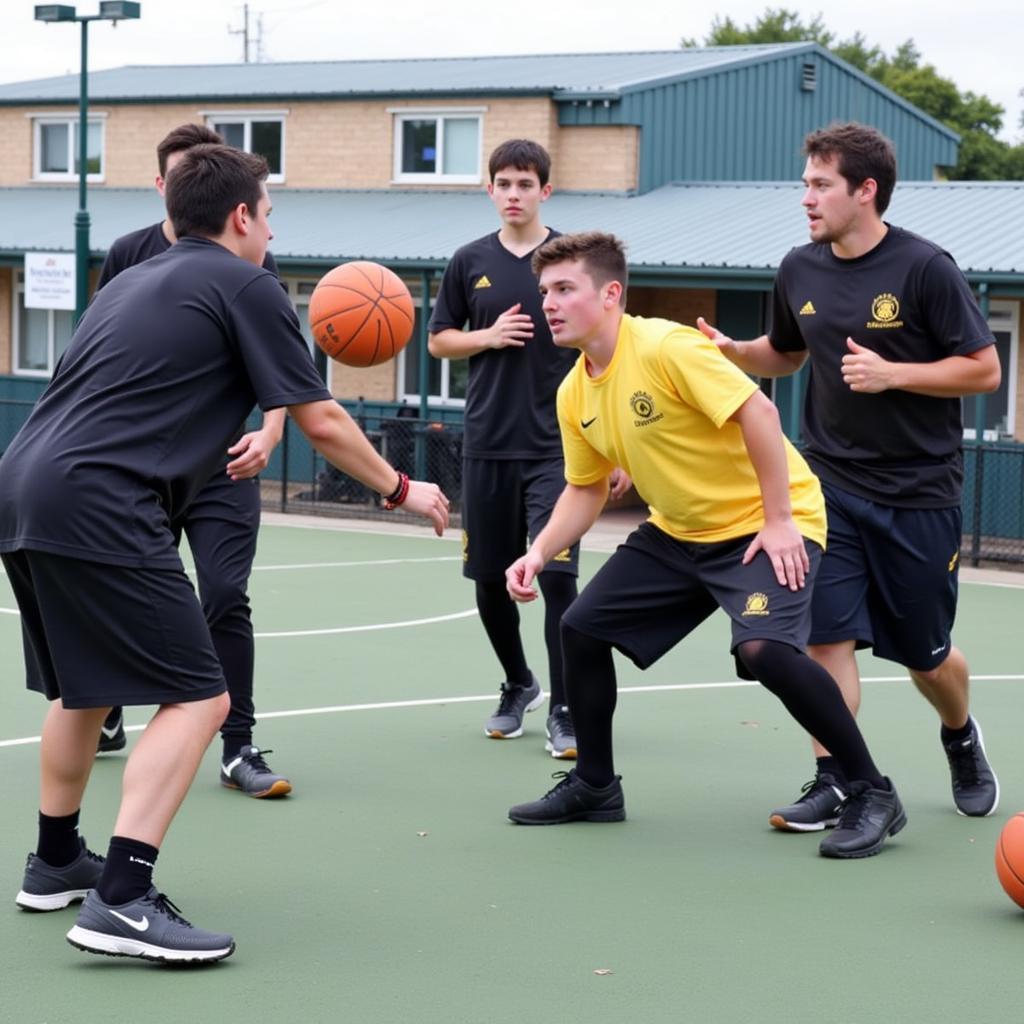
<point x="129" y="429"/>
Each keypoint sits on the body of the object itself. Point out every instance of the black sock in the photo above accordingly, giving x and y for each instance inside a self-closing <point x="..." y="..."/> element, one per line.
<point x="58" y="844"/>
<point x="829" y="764"/>
<point x="955" y="735"/>
<point x="591" y="689"/>
<point x="559" y="591"/>
<point x="233" y="746"/>
<point x="113" y="715"/>
<point x="128" y="873"/>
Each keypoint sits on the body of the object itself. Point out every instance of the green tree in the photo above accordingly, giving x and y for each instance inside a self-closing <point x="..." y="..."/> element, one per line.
<point x="977" y="119"/>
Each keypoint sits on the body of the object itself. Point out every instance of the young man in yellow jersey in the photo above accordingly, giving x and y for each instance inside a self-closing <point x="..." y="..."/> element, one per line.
<point x="737" y="522"/>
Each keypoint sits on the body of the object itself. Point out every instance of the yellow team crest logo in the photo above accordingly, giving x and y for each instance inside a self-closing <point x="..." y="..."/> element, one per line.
<point x="807" y="309"/>
<point x="885" y="311"/>
<point x="643" y="409"/>
<point x="484" y="282"/>
<point x="757" y="604"/>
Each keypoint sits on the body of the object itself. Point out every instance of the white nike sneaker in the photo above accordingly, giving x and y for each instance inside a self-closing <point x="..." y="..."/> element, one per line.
<point x="150" y="927"/>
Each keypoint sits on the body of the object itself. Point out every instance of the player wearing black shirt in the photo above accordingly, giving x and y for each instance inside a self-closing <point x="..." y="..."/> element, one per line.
<point x="512" y="468"/>
<point x="166" y="362"/>
<point x="221" y="525"/>
<point x="894" y="339"/>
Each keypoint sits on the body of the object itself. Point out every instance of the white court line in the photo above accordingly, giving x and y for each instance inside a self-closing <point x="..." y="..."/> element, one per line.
<point x="368" y="628"/>
<point x="348" y="565"/>
<point x="426" y="702"/>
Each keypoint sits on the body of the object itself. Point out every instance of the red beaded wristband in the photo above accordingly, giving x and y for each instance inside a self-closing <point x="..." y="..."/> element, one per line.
<point x="399" y="494"/>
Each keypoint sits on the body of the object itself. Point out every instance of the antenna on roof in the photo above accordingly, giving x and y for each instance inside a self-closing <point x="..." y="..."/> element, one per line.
<point x="247" y="36"/>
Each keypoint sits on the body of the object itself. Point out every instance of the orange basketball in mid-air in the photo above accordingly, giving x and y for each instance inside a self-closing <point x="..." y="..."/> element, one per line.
<point x="361" y="314"/>
<point x="1010" y="858"/>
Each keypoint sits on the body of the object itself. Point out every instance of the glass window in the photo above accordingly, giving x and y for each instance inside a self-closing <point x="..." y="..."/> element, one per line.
<point x="446" y="378"/>
<point x="437" y="148"/>
<point x="56" y="149"/>
<point x="42" y="335"/>
<point x="261" y="135"/>
<point x="1000" y="406"/>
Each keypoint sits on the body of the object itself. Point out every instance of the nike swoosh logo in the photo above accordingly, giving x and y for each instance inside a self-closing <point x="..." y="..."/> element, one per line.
<point x="139" y="926"/>
<point x="586" y="423"/>
<point x="109" y="733"/>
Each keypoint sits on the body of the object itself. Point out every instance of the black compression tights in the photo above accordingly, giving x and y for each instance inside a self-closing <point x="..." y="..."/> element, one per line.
<point x="812" y="697"/>
<point x="500" y="618"/>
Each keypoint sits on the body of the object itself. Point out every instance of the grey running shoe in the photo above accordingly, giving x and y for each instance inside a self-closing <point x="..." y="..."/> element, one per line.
<point x="507" y="721"/>
<point x="819" y="808"/>
<point x="45" y="887"/>
<point x="868" y="817"/>
<point x="573" y="800"/>
<point x="561" y="742"/>
<point x="250" y="773"/>
<point x="150" y="927"/>
<point x="112" y="733"/>
<point x="975" y="786"/>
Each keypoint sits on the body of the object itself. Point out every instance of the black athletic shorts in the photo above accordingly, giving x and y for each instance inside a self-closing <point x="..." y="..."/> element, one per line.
<point x="889" y="579"/>
<point x="505" y="504"/>
<point x="98" y="635"/>
<point x="655" y="590"/>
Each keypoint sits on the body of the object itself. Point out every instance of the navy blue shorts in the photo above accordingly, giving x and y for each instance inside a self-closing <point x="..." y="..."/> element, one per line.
<point x="655" y="590"/>
<point x="505" y="504"/>
<point x="889" y="579"/>
<point x="100" y="635"/>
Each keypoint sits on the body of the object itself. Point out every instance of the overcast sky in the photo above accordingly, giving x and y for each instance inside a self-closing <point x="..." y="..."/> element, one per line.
<point x="978" y="44"/>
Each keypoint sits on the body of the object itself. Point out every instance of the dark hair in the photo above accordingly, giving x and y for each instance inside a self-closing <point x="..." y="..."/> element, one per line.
<point x="603" y="257"/>
<point x="207" y="184"/>
<point x="863" y="152"/>
<point x="185" y="136"/>
<point x="523" y="155"/>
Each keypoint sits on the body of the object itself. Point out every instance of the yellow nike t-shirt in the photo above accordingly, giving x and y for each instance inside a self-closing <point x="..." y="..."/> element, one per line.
<point x="661" y="411"/>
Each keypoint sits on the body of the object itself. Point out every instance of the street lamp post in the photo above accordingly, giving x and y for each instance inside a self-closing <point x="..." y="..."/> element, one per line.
<point x="110" y="10"/>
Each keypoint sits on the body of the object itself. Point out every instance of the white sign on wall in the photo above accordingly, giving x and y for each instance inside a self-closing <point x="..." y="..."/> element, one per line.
<point x="50" y="280"/>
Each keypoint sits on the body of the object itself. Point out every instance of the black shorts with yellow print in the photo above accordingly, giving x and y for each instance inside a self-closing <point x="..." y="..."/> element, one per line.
<point x="656" y="589"/>
<point x="505" y="504"/>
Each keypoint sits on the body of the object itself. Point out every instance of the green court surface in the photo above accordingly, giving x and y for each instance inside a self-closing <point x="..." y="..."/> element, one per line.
<point x="391" y="888"/>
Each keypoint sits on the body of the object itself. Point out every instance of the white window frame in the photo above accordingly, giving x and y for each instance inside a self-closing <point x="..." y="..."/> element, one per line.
<point x="1003" y="316"/>
<point x="246" y="118"/>
<point x="18" y="297"/>
<point x="402" y="114"/>
<point x="442" y="400"/>
<point x="69" y="121"/>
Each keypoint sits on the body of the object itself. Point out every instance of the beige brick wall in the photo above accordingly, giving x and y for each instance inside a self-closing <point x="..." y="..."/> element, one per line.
<point x="6" y="318"/>
<point x="337" y="144"/>
<point x="600" y="157"/>
<point x="374" y="383"/>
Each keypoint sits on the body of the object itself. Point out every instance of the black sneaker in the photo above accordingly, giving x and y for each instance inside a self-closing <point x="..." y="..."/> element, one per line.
<point x="573" y="800"/>
<point x="45" y="887"/>
<point x="250" y="773"/>
<point x="868" y="817"/>
<point x="507" y="721"/>
<point x="112" y="733"/>
<point x="150" y="928"/>
<point x="975" y="786"/>
<point x="819" y="808"/>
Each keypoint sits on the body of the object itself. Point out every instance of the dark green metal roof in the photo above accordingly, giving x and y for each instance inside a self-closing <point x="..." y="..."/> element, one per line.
<point x="692" y="231"/>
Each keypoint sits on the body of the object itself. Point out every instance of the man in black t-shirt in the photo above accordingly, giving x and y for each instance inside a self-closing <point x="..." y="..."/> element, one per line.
<point x="512" y="456"/>
<point x="165" y="364"/>
<point x="221" y="525"/>
<point x="895" y="339"/>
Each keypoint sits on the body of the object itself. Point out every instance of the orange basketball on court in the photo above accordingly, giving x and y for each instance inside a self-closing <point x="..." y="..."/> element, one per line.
<point x="361" y="314"/>
<point x="1010" y="858"/>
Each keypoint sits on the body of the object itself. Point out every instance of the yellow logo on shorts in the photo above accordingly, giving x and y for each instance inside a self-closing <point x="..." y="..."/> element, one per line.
<point x="884" y="311"/>
<point x="954" y="560"/>
<point x="562" y="556"/>
<point x="757" y="604"/>
<point x="465" y="546"/>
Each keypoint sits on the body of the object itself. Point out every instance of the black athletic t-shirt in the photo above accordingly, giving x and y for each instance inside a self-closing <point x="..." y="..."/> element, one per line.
<point x="908" y="301"/>
<point x="144" y="244"/>
<point x="164" y="365"/>
<point x="510" y="394"/>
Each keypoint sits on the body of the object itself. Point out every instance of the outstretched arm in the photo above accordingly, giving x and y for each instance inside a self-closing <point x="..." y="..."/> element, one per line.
<point x="337" y="437"/>
<point x="756" y="357"/>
